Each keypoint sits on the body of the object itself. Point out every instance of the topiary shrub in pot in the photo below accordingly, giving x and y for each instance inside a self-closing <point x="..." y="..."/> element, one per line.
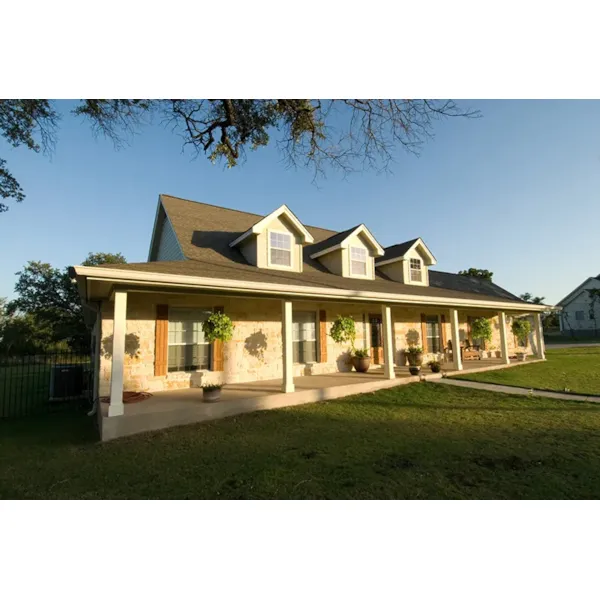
<point x="211" y="392"/>
<point x="414" y="355"/>
<point x="343" y="331"/>
<point x="481" y="328"/>
<point x="521" y="329"/>
<point x="217" y="327"/>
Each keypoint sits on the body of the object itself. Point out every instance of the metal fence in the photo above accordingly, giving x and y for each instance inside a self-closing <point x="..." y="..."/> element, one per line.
<point x="42" y="383"/>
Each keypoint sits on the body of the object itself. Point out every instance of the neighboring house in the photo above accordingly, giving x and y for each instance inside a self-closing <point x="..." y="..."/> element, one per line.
<point x="282" y="283"/>
<point x="578" y="315"/>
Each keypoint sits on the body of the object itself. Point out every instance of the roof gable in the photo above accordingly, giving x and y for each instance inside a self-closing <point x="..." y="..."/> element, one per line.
<point x="399" y="251"/>
<point x="574" y="293"/>
<point x="342" y="239"/>
<point x="260" y="226"/>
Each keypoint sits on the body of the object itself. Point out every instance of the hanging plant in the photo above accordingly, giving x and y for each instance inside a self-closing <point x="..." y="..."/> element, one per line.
<point x="343" y="331"/>
<point x="521" y="329"/>
<point x="218" y="326"/>
<point x="481" y="329"/>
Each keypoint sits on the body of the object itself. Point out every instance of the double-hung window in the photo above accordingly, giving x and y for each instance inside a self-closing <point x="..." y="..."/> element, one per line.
<point x="304" y="336"/>
<point x="188" y="350"/>
<point x="432" y="324"/>
<point x="280" y="249"/>
<point x="358" y="261"/>
<point x="416" y="272"/>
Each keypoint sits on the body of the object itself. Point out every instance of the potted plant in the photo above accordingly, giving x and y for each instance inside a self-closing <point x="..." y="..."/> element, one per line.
<point x="343" y="331"/>
<point x="481" y="328"/>
<point x="361" y="360"/>
<point x="211" y="392"/>
<point x="521" y="329"/>
<point x="435" y="366"/>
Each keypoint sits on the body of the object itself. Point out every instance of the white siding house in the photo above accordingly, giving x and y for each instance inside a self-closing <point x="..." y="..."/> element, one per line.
<point x="578" y="315"/>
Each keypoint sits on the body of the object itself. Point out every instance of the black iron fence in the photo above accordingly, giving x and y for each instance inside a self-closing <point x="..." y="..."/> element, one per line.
<point x="39" y="383"/>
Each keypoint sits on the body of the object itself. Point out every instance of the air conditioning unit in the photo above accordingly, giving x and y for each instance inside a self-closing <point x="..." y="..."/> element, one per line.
<point x="66" y="382"/>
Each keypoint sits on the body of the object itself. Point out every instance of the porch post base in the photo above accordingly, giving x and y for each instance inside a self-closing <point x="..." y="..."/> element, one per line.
<point x="116" y="410"/>
<point x="288" y="388"/>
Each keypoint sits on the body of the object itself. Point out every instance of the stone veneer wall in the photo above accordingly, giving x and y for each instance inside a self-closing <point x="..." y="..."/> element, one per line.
<point x="255" y="352"/>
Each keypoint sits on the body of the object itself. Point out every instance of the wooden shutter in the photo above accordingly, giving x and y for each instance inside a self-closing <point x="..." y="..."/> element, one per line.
<point x="217" y="349"/>
<point x="161" y="340"/>
<point x="322" y="336"/>
<point x="443" y="331"/>
<point x="424" y="331"/>
<point x="469" y="320"/>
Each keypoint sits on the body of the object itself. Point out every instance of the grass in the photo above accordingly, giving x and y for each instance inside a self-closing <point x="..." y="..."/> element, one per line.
<point x="576" y="369"/>
<point x="415" y="441"/>
<point x="568" y="339"/>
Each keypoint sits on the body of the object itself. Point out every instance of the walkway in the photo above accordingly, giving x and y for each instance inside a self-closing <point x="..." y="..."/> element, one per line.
<point x="574" y="345"/>
<point x="520" y="391"/>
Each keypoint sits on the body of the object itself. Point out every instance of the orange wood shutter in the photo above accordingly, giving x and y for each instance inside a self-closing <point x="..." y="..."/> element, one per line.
<point x="322" y="336"/>
<point x="424" y="331"/>
<point x="161" y="339"/>
<point x="469" y="319"/>
<point x="443" y="330"/>
<point x="217" y="348"/>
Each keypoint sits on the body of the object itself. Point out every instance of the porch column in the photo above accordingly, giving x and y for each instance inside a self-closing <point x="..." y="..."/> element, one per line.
<point x="115" y="408"/>
<point x="539" y="336"/>
<point x="455" y="335"/>
<point x="503" y="338"/>
<point x="388" y="343"/>
<point x="288" y="349"/>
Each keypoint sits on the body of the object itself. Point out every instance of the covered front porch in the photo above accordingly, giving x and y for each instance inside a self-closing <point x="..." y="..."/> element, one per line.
<point x="185" y="406"/>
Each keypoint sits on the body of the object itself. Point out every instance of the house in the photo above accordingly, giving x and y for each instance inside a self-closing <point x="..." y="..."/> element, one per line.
<point x="580" y="314"/>
<point x="282" y="283"/>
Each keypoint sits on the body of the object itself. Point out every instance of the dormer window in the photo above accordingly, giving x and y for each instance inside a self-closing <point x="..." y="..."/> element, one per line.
<point x="358" y="261"/>
<point x="416" y="272"/>
<point x="280" y="249"/>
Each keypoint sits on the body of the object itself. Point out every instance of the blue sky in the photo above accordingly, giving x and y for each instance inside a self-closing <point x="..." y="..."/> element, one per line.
<point x="515" y="192"/>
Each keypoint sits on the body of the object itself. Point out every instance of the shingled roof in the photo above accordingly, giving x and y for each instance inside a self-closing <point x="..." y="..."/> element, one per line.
<point x="205" y="231"/>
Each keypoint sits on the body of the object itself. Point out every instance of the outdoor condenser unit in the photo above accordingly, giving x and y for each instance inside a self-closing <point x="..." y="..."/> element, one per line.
<point x="66" y="381"/>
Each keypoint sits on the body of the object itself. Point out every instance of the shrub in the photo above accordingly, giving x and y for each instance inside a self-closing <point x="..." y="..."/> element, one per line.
<point x="414" y="350"/>
<point x="521" y="329"/>
<point x="362" y="353"/>
<point x="209" y="387"/>
<point x="481" y="328"/>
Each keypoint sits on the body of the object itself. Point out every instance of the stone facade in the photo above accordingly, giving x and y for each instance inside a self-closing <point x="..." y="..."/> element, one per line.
<point x="255" y="352"/>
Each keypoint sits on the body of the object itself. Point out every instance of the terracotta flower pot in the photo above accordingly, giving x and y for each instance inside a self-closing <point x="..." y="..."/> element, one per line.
<point x="361" y="364"/>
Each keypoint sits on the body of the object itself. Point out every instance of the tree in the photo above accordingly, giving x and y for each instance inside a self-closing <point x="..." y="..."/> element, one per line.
<point x="343" y="134"/>
<point x="479" y="273"/>
<point x="594" y="298"/>
<point x="527" y="297"/>
<point x="49" y="297"/>
<point x="95" y="259"/>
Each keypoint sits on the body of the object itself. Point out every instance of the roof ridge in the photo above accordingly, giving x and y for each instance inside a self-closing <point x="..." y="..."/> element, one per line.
<point x="243" y="212"/>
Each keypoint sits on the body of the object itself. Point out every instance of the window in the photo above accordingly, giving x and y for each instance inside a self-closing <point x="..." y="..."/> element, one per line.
<point x="416" y="273"/>
<point x="280" y="248"/>
<point x="579" y="315"/>
<point x="433" y="334"/>
<point x="304" y="337"/>
<point x="358" y="261"/>
<point x="188" y="351"/>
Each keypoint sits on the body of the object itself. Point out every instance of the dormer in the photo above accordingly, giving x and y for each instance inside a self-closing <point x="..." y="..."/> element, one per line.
<point x="350" y="253"/>
<point x="275" y="242"/>
<point x="407" y="263"/>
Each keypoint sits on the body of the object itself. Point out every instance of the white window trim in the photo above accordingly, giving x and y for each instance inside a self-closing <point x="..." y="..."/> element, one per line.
<point x="421" y="270"/>
<point x="292" y="266"/>
<point x="369" y="269"/>
<point x="183" y="373"/>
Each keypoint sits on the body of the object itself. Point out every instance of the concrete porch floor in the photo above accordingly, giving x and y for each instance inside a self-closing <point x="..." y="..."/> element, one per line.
<point x="184" y="406"/>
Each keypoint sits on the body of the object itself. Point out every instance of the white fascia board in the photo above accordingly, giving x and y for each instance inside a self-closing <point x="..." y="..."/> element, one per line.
<point x="418" y="242"/>
<point x="569" y="297"/>
<point x="262" y="225"/>
<point x="124" y="277"/>
<point x="345" y="242"/>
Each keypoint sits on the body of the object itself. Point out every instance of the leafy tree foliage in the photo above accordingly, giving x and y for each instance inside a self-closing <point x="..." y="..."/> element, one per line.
<point x="480" y="273"/>
<point x="342" y="134"/>
<point x="527" y="297"/>
<point x="48" y="303"/>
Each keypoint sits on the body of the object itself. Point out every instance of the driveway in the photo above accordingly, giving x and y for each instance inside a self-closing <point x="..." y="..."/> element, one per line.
<point x="575" y="345"/>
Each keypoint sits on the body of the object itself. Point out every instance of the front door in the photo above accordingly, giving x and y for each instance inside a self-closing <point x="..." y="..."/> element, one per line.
<point x="376" y="339"/>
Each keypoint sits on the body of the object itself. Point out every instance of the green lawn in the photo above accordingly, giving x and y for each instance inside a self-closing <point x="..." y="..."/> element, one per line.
<point x="577" y="369"/>
<point x="421" y="440"/>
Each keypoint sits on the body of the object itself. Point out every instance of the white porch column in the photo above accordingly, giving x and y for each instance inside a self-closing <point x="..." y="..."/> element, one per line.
<point x="388" y="343"/>
<point x="539" y="336"/>
<point x="455" y="335"/>
<point x="115" y="408"/>
<point x="503" y="338"/>
<point x="286" y="342"/>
